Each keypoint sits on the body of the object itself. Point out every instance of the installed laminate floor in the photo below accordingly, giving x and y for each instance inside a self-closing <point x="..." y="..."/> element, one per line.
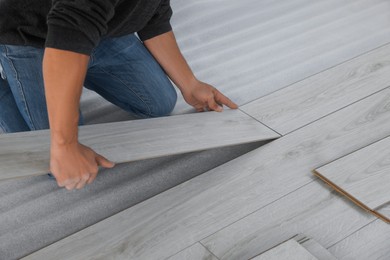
<point x="173" y="220"/>
<point x="375" y="236"/>
<point x="363" y="176"/>
<point x="302" y="103"/>
<point x="248" y="49"/>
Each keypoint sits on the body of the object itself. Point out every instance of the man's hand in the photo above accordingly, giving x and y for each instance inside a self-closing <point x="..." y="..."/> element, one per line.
<point x="203" y="97"/>
<point x="75" y="165"/>
<point x="200" y="95"/>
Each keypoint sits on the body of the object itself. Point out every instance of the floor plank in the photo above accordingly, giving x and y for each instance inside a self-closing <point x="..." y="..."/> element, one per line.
<point x="314" y="210"/>
<point x="303" y="102"/>
<point x="201" y="206"/>
<point x="376" y="236"/>
<point x="314" y="248"/>
<point x="250" y="48"/>
<point x="27" y="154"/>
<point x="194" y="252"/>
<point x="363" y="176"/>
<point x="290" y="249"/>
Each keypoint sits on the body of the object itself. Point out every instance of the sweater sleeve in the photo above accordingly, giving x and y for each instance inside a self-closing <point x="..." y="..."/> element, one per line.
<point x="78" y="25"/>
<point x="159" y="23"/>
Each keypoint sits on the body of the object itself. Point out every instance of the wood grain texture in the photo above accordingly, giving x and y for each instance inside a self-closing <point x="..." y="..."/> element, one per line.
<point x="314" y="210"/>
<point x="302" y="103"/>
<point x="250" y="48"/>
<point x="177" y="218"/>
<point x="363" y="175"/>
<point x="26" y="154"/>
<point x="194" y="252"/>
<point x="290" y="249"/>
<point x="376" y="236"/>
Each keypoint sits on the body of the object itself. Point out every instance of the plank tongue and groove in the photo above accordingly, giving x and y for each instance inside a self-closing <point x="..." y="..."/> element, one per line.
<point x="362" y="176"/>
<point x="27" y="154"/>
<point x="290" y="249"/>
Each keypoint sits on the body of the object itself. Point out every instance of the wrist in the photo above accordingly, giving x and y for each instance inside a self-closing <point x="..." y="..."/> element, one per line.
<point x="58" y="139"/>
<point x="189" y="84"/>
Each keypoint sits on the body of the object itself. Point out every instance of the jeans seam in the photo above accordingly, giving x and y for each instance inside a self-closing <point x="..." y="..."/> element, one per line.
<point x="131" y="89"/>
<point x="20" y="88"/>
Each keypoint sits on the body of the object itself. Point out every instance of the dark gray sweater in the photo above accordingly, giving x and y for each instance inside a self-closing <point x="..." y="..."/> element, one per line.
<point x="78" y="25"/>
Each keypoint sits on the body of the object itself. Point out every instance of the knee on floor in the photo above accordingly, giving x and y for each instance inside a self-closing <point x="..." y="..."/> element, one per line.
<point x="164" y="104"/>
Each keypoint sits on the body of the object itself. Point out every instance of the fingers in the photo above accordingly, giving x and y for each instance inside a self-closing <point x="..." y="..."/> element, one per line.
<point x="213" y="105"/>
<point x="74" y="184"/>
<point x="81" y="184"/>
<point x="221" y="99"/>
<point x="104" y="162"/>
<point x="215" y="102"/>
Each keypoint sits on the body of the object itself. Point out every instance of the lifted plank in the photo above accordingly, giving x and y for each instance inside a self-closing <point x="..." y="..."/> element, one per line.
<point x="27" y="154"/>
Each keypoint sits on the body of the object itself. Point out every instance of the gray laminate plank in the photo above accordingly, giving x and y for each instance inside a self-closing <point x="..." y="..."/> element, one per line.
<point x="290" y="249"/>
<point x="376" y="236"/>
<point x="314" y="248"/>
<point x="314" y="210"/>
<point x="306" y="101"/>
<point x="363" y="175"/>
<point x="194" y="252"/>
<point x="248" y="49"/>
<point x="384" y="210"/>
<point x="175" y="219"/>
<point x="27" y="154"/>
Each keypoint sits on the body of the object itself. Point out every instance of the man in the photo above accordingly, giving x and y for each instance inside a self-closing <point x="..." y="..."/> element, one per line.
<point x="90" y="43"/>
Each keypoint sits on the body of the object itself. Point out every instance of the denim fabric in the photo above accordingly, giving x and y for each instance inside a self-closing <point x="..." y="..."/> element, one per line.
<point x="120" y="69"/>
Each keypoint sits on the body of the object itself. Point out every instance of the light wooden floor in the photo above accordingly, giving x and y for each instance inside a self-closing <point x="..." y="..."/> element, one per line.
<point x="259" y="200"/>
<point x="336" y="106"/>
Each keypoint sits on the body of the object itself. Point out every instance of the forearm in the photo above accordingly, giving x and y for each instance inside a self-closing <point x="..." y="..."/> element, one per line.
<point x="165" y="50"/>
<point x="63" y="74"/>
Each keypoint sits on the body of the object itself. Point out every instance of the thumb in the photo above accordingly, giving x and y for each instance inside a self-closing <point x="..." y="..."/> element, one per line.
<point x="104" y="162"/>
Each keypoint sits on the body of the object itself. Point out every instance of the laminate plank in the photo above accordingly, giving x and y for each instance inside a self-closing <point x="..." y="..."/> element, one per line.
<point x="249" y="49"/>
<point x="306" y="101"/>
<point x="384" y="210"/>
<point x="27" y="154"/>
<point x="314" y="248"/>
<point x="314" y="210"/>
<point x="362" y="176"/>
<point x="194" y="252"/>
<point x="376" y="236"/>
<point x="290" y="249"/>
<point x="175" y="219"/>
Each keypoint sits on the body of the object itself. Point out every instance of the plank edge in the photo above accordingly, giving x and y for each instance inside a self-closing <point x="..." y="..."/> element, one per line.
<point x="350" y="197"/>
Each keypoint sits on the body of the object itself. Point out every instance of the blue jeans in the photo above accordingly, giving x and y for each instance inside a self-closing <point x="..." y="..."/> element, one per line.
<point x="120" y="69"/>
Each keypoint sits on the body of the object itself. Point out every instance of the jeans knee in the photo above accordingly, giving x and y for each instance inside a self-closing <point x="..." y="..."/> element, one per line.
<point x="165" y="104"/>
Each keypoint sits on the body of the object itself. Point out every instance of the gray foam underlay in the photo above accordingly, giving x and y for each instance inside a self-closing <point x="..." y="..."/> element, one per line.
<point x="35" y="212"/>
